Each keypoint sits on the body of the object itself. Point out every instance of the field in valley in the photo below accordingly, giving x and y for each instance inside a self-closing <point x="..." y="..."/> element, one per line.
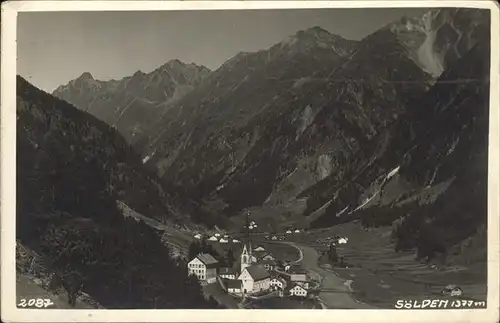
<point x="381" y="276"/>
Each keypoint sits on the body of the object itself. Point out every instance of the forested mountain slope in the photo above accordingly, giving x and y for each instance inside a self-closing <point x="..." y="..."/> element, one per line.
<point x="71" y="169"/>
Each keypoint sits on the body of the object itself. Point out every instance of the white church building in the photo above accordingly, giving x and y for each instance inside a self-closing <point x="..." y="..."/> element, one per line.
<point x="254" y="278"/>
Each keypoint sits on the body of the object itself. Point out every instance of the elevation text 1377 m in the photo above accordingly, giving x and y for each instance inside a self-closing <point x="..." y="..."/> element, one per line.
<point x="439" y="303"/>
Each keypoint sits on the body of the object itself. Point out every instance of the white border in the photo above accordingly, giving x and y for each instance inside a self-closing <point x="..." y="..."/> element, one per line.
<point x="8" y="145"/>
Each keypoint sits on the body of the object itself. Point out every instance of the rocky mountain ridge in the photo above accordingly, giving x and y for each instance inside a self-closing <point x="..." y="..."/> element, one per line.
<point x="134" y="102"/>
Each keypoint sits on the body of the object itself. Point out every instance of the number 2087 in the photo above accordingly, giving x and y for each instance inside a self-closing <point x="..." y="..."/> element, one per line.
<point x="35" y="302"/>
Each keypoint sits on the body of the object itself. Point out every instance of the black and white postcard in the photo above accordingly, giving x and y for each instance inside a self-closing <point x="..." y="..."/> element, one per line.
<point x="310" y="161"/>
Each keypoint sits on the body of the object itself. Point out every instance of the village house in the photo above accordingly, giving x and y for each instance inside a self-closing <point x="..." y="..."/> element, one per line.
<point x="342" y="240"/>
<point x="260" y="248"/>
<point x="234" y="286"/>
<point x="268" y="264"/>
<point x="212" y="238"/>
<point x="204" y="267"/>
<point x="304" y="284"/>
<point x="255" y="279"/>
<point x="298" y="291"/>
<point x="268" y="256"/>
<point x="227" y="272"/>
<point x="278" y="282"/>
<point x="197" y="236"/>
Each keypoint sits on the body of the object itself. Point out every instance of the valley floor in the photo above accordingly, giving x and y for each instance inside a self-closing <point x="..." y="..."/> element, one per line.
<point x="379" y="276"/>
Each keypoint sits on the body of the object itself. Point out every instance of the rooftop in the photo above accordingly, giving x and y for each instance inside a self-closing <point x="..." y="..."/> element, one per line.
<point x="267" y="262"/>
<point x="207" y="259"/>
<point x="257" y="272"/>
<point x="233" y="283"/>
<point x="227" y="270"/>
<point x="297" y="285"/>
<point x="281" y="279"/>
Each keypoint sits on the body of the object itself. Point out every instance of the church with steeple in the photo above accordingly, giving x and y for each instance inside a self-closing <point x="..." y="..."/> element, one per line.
<point x="254" y="278"/>
<point x="246" y="256"/>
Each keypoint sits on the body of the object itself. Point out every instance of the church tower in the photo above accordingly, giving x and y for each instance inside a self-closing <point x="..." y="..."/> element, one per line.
<point x="246" y="254"/>
<point x="246" y="257"/>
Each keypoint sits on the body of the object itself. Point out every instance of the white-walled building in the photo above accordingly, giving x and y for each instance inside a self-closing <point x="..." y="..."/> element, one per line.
<point x="278" y="282"/>
<point x="343" y="240"/>
<point x="268" y="256"/>
<point x="204" y="267"/>
<point x="260" y="248"/>
<point x="197" y="236"/>
<point x="228" y="273"/>
<point x="212" y="238"/>
<point x="298" y="290"/>
<point x="255" y="279"/>
<point x="234" y="286"/>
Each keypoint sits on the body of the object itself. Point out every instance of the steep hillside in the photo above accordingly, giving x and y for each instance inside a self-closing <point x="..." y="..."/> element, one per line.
<point x="438" y="151"/>
<point x="134" y="102"/>
<point x="71" y="169"/>
<point x="268" y="126"/>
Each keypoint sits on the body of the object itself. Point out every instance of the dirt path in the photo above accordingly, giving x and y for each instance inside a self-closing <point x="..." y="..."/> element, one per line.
<point x="176" y="238"/>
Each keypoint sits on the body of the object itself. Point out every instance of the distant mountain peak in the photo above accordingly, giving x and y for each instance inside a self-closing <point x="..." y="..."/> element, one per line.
<point x="317" y="37"/>
<point x="84" y="80"/>
<point x="314" y="31"/>
<point x="174" y="63"/>
<point x="138" y="73"/>
<point x="86" y="76"/>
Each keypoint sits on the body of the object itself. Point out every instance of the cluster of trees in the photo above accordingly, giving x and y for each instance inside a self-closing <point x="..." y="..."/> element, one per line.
<point x="120" y="266"/>
<point x="383" y="216"/>
<point x="202" y="246"/>
<point x="334" y="257"/>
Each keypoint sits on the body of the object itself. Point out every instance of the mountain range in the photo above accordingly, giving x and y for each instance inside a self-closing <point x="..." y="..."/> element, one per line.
<point x="318" y="129"/>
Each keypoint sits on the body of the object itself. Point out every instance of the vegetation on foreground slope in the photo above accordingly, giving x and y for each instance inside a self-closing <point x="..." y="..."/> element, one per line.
<point x="71" y="170"/>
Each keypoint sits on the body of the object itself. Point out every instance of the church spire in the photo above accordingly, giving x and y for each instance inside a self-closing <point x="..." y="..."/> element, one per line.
<point x="246" y="254"/>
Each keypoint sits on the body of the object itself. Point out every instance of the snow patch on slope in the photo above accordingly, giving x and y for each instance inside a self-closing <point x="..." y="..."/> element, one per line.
<point x="306" y="120"/>
<point x="429" y="59"/>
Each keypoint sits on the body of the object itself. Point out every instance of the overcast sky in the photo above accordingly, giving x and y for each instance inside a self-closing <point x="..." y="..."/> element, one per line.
<point x="55" y="47"/>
